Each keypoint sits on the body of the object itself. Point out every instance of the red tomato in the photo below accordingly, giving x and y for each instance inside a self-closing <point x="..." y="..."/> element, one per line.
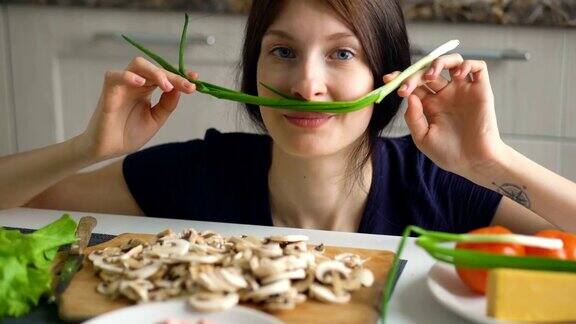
<point x="476" y="279"/>
<point x="567" y="252"/>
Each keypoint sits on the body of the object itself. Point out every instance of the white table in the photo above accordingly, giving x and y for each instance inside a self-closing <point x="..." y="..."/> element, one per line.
<point x="411" y="302"/>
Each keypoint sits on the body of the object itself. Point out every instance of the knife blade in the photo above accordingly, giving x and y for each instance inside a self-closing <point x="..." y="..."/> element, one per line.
<point x="75" y="257"/>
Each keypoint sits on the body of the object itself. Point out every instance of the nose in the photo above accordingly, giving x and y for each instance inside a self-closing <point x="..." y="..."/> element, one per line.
<point x="309" y="83"/>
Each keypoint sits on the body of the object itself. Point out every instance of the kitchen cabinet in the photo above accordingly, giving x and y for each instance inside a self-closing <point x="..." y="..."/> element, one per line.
<point x="568" y="88"/>
<point x="63" y="53"/>
<point x="60" y="55"/>
<point x="7" y="125"/>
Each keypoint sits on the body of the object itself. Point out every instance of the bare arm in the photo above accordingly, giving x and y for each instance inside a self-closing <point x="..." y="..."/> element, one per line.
<point x="533" y="188"/>
<point x="518" y="218"/>
<point x="100" y="191"/>
<point x="27" y="174"/>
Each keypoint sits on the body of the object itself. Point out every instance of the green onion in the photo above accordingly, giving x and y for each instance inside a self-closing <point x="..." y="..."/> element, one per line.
<point x="183" y="39"/>
<point x="433" y="242"/>
<point x="287" y="101"/>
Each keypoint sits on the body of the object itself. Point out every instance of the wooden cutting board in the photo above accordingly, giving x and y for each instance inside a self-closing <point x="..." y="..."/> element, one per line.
<point x="81" y="301"/>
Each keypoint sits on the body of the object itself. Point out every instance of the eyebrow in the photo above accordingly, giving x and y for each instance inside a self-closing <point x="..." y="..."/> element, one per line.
<point x="286" y="35"/>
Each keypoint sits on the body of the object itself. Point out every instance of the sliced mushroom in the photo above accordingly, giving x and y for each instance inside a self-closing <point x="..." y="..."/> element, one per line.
<point x="233" y="277"/>
<point x="172" y="247"/>
<point x="109" y="288"/>
<point x="207" y="249"/>
<point x="206" y="259"/>
<point x="132" y="243"/>
<point x="145" y="272"/>
<point x="270" y="250"/>
<point x="211" y="302"/>
<point x="294" y="274"/>
<point x="326" y="295"/>
<point x="366" y="277"/>
<point x="165" y="235"/>
<point x="110" y="277"/>
<point x="288" y="238"/>
<point x="189" y="235"/>
<point x="295" y="248"/>
<point x="100" y="264"/>
<point x="211" y="281"/>
<point x="133" y="263"/>
<point x="275" y="288"/>
<point x="327" y="267"/>
<point x="302" y="286"/>
<point x="137" y="290"/>
<point x="351" y="260"/>
<point x="216" y="272"/>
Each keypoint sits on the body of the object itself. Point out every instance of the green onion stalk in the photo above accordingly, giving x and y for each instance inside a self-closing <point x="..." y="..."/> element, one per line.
<point x="286" y="101"/>
<point x="434" y="243"/>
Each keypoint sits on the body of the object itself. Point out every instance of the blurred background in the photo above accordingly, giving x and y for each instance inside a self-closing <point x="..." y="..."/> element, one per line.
<point x="53" y="55"/>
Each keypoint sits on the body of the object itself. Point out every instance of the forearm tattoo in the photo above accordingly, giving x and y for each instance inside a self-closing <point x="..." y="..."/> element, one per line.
<point x="514" y="192"/>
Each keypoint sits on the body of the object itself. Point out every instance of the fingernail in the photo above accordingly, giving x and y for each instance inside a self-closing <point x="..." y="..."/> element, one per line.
<point x="403" y="88"/>
<point x="457" y="73"/>
<point x="186" y="84"/>
<point x="168" y="85"/>
<point x="430" y="71"/>
<point x="139" y="80"/>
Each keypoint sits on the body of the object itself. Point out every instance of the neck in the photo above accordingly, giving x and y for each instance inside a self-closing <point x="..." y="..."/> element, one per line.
<point x="317" y="192"/>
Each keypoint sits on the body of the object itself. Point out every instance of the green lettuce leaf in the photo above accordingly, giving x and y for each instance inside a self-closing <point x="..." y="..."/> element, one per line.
<point x="26" y="262"/>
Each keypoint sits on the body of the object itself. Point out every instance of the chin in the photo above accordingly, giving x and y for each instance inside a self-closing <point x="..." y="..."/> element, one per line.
<point x="308" y="145"/>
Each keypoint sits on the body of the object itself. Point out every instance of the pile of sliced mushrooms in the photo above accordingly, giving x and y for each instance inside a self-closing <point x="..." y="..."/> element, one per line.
<point x="216" y="273"/>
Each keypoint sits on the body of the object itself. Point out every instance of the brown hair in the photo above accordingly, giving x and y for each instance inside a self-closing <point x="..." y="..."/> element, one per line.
<point x="380" y="27"/>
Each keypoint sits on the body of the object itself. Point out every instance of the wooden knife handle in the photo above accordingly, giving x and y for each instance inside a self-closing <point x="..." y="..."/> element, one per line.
<point x="83" y="233"/>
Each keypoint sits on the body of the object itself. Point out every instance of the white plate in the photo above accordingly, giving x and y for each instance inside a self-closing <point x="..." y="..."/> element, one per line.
<point x="155" y="313"/>
<point x="450" y="291"/>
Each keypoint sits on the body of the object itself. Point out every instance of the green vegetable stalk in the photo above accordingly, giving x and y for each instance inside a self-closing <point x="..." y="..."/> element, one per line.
<point x="26" y="263"/>
<point x="287" y="101"/>
<point x="434" y="243"/>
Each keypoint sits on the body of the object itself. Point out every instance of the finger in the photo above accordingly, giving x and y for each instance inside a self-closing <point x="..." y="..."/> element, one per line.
<point x="181" y="83"/>
<point x="422" y="91"/>
<point x="437" y="85"/>
<point x="416" y="120"/>
<point x="165" y="106"/>
<point x="443" y="62"/>
<point x="114" y="78"/>
<point x="410" y="84"/>
<point x="156" y="76"/>
<point x="192" y="75"/>
<point x="390" y="76"/>
<point x="477" y="69"/>
<point x="459" y="73"/>
<point x="153" y="75"/>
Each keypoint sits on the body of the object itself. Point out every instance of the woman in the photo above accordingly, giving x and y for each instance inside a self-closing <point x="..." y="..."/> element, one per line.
<point x="315" y="170"/>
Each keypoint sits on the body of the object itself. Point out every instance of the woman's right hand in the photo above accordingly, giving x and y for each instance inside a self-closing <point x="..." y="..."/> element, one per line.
<point x="124" y="119"/>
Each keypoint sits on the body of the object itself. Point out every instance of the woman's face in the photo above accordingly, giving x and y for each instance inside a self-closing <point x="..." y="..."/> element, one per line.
<point x="311" y="54"/>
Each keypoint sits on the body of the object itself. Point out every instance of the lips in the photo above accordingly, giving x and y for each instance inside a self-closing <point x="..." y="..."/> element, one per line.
<point x="308" y="119"/>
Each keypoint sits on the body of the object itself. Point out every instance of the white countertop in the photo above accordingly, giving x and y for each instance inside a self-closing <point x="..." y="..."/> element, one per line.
<point x="412" y="302"/>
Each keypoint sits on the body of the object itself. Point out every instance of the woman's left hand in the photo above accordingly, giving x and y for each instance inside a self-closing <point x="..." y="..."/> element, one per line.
<point x="456" y="126"/>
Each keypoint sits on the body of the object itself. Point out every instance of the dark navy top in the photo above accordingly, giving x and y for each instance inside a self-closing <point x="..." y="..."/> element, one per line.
<point x="224" y="178"/>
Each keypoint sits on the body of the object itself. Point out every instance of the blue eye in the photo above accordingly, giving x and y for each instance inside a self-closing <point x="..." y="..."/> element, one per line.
<point x="343" y="54"/>
<point x="283" y="52"/>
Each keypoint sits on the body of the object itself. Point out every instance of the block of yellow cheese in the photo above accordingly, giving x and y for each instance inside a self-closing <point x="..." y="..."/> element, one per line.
<point x="529" y="295"/>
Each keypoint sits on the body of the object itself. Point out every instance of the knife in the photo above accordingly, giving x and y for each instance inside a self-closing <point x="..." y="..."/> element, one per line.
<point x="75" y="257"/>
